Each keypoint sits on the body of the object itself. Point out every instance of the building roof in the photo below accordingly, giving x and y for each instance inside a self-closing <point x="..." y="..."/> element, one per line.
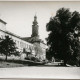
<point x="3" y="21"/>
<point x="12" y="34"/>
<point x="26" y="38"/>
<point x="8" y="32"/>
<point x="33" y="39"/>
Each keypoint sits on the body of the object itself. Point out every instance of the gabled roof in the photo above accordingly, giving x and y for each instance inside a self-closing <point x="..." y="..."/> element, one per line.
<point x="8" y="32"/>
<point x="26" y="38"/>
<point x="33" y="39"/>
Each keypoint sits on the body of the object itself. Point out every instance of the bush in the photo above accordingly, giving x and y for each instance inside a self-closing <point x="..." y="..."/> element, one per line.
<point x="27" y="58"/>
<point x="57" y="60"/>
<point x="33" y="58"/>
<point x="44" y="61"/>
<point x="37" y="60"/>
<point x="71" y="62"/>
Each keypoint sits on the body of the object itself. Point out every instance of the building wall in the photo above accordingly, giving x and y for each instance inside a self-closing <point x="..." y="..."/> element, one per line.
<point x="40" y="50"/>
<point x="2" y="26"/>
<point x="36" y="48"/>
<point x="20" y="44"/>
<point x="43" y="46"/>
<point x="2" y="34"/>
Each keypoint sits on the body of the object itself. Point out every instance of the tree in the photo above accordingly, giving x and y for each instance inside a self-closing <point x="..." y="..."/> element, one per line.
<point x="38" y="51"/>
<point x="63" y="39"/>
<point x="7" y="47"/>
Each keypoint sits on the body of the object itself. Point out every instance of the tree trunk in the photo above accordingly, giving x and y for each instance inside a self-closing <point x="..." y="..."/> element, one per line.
<point x="65" y="61"/>
<point x="6" y="58"/>
<point x="78" y="63"/>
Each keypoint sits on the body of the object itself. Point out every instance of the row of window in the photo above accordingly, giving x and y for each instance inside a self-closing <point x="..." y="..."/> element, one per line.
<point x="20" y="44"/>
<point x="23" y="45"/>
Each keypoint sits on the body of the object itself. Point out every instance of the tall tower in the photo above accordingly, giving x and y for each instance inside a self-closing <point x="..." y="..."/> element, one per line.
<point x="35" y="28"/>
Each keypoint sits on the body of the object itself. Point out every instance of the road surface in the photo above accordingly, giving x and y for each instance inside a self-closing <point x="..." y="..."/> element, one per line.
<point x="41" y="72"/>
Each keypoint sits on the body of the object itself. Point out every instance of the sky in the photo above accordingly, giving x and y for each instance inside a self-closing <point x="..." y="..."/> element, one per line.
<point x="20" y="15"/>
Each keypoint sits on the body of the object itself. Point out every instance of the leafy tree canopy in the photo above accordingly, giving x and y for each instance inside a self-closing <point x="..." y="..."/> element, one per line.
<point x="63" y="39"/>
<point x="7" y="46"/>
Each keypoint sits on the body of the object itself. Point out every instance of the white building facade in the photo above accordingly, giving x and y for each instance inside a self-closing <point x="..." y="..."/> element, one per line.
<point x="21" y="44"/>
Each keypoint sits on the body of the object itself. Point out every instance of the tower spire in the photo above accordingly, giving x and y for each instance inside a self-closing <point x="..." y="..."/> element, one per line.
<point x="35" y="27"/>
<point x="35" y="20"/>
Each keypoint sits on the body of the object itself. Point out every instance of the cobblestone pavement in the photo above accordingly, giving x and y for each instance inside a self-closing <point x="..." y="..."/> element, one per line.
<point x="41" y="72"/>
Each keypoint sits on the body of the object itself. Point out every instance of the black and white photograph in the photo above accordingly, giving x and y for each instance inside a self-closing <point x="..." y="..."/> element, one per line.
<point x="40" y="39"/>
